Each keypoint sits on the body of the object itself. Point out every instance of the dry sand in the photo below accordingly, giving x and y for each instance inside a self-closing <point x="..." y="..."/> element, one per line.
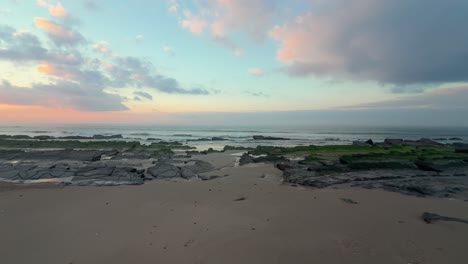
<point x="201" y="222"/>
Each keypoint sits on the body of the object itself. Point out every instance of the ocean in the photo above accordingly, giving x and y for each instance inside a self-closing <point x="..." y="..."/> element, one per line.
<point x="242" y="136"/>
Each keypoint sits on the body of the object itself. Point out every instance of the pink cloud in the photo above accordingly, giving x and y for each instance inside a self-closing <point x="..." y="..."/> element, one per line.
<point x="255" y="71"/>
<point x="102" y="46"/>
<point x="194" y="23"/>
<point x="58" y="10"/>
<point x="58" y="33"/>
<point x="217" y="28"/>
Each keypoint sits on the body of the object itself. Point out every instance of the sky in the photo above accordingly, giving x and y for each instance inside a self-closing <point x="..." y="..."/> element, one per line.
<point x="367" y="62"/>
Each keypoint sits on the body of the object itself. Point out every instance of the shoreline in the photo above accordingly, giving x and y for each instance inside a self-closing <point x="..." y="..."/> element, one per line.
<point x="240" y="218"/>
<point x="319" y="204"/>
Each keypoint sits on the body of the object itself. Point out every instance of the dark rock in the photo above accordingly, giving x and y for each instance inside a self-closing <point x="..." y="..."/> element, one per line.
<point x="359" y="143"/>
<point x="200" y="166"/>
<point x="245" y="159"/>
<point x="240" y="199"/>
<point x="440" y="139"/>
<point x="199" y="139"/>
<point x="431" y="217"/>
<point x="108" y="137"/>
<point x="284" y="166"/>
<point x="164" y="171"/>
<point x="392" y="141"/>
<point x="187" y="173"/>
<point x="370" y="142"/>
<point x="259" y="137"/>
<point x="427" y="141"/>
<point x="455" y="139"/>
<point x="75" y="137"/>
<point x="218" y="139"/>
<point x="43" y="137"/>
<point x="153" y="139"/>
<point x="20" y="137"/>
<point x="461" y="150"/>
<point x="208" y="177"/>
<point x="350" y="201"/>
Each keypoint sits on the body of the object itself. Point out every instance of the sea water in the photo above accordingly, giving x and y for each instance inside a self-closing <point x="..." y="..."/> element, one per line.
<point x="242" y="135"/>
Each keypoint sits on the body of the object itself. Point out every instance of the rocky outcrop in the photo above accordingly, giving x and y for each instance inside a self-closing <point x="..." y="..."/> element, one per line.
<point x="164" y="171"/>
<point x="108" y="137"/>
<point x="431" y="217"/>
<point x="259" y="137"/>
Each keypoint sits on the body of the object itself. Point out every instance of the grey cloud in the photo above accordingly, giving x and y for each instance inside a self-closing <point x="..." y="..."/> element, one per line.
<point x="24" y="46"/>
<point x="134" y="71"/>
<point x="143" y="94"/>
<point x="80" y="80"/>
<point x="89" y="98"/>
<point x="398" y="41"/>
<point x="257" y="94"/>
<point x="445" y="98"/>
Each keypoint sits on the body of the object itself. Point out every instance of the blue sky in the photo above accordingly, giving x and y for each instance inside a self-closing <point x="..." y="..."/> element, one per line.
<point x="153" y="60"/>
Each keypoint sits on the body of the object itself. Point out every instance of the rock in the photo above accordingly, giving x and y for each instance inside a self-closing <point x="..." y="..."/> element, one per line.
<point x="455" y="139"/>
<point x="350" y="201"/>
<point x="164" y="171"/>
<point x="379" y="164"/>
<point x="199" y="139"/>
<point x="461" y="150"/>
<point x="200" y="166"/>
<point x="245" y="159"/>
<point x="153" y="139"/>
<point x="20" y="137"/>
<point x="439" y="165"/>
<point x="43" y="137"/>
<point x="11" y="174"/>
<point x="75" y="137"/>
<point x="427" y="141"/>
<point x="440" y="139"/>
<point x="370" y="142"/>
<point x="259" y="137"/>
<point x="391" y="141"/>
<point x="284" y="166"/>
<point x="359" y="143"/>
<point x="108" y="137"/>
<point x="218" y="139"/>
<point x="240" y="199"/>
<point x="187" y="173"/>
<point x="207" y="177"/>
<point x="431" y="217"/>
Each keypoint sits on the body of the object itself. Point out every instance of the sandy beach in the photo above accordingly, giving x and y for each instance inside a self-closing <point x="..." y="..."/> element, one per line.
<point x="246" y="216"/>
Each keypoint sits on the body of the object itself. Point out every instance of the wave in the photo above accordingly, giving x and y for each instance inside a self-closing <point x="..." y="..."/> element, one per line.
<point x="40" y="132"/>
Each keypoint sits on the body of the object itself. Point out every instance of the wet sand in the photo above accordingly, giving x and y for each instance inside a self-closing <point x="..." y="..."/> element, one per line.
<point x="248" y="216"/>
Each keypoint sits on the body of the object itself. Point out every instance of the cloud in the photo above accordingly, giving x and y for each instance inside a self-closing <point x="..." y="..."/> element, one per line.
<point x="194" y="23"/>
<point x="58" y="10"/>
<point x="23" y="46"/>
<point x="223" y="17"/>
<point x="139" y="38"/>
<point x="169" y="50"/>
<point x="81" y="81"/>
<point x="59" y="34"/>
<point x="255" y="71"/>
<point x="91" y="5"/>
<point x="173" y="6"/>
<point x="102" y="46"/>
<point x="439" y="99"/>
<point x="69" y="94"/>
<point x="257" y="94"/>
<point x="143" y="94"/>
<point x="398" y="42"/>
<point x="54" y="10"/>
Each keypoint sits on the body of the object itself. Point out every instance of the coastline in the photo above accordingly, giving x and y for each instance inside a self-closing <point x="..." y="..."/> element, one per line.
<point x="235" y="206"/>
<point x="206" y="222"/>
